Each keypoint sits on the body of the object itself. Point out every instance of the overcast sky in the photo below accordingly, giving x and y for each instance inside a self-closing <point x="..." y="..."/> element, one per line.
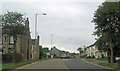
<point x="68" y="21"/>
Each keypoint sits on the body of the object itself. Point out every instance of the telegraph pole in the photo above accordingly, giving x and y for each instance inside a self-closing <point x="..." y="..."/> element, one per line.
<point x="35" y="25"/>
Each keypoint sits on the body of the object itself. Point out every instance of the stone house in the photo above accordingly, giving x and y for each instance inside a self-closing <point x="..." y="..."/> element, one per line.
<point x="93" y="52"/>
<point x="60" y="54"/>
<point x="26" y="44"/>
<point x="35" y="49"/>
<point x="56" y="52"/>
<point x="23" y="44"/>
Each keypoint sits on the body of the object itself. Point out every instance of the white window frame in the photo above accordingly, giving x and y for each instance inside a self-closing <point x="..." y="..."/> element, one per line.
<point x="11" y="38"/>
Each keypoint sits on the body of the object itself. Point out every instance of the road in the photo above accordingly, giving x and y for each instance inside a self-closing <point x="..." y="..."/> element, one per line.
<point x="64" y="64"/>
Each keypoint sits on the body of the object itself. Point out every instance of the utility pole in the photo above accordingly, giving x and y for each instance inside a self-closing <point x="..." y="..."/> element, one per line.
<point x="51" y="45"/>
<point x="35" y="25"/>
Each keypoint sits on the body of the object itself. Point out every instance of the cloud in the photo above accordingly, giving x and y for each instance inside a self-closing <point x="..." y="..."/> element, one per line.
<point x="53" y="1"/>
<point x="69" y="22"/>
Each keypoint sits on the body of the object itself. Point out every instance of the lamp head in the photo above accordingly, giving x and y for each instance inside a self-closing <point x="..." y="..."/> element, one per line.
<point x="44" y="14"/>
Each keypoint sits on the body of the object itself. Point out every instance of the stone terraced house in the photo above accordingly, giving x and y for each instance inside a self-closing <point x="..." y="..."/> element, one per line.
<point x="92" y="51"/>
<point x="35" y="49"/>
<point x="23" y="44"/>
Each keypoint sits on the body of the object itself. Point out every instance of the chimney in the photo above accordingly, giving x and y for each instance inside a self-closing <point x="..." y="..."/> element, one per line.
<point x="27" y="22"/>
<point x="38" y="38"/>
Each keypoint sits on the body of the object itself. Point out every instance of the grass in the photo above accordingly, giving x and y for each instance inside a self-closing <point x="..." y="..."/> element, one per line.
<point x="91" y="60"/>
<point x="102" y="59"/>
<point x="110" y="65"/>
<point x="11" y="66"/>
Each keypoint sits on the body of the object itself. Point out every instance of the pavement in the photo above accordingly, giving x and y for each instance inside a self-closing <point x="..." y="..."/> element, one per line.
<point x="64" y="65"/>
<point x="97" y="61"/>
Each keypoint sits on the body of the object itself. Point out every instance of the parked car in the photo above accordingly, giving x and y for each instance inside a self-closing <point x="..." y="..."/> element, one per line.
<point x="63" y="55"/>
<point x="117" y="59"/>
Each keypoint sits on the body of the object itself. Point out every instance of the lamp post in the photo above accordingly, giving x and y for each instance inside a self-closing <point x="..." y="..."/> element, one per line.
<point x="36" y="42"/>
<point x="36" y="22"/>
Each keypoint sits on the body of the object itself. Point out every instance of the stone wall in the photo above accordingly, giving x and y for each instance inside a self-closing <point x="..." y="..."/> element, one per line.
<point x="10" y="58"/>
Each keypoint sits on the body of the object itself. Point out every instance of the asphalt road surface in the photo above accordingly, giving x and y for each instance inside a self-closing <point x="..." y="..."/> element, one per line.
<point x="64" y="65"/>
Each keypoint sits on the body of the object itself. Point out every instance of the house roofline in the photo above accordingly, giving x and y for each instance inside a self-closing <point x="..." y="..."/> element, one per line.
<point x="91" y="45"/>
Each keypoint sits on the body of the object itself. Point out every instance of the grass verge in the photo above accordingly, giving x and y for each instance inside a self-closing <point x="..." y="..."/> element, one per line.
<point x="91" y="60"/>
<point x="11" y="66"/>
<point x="102" y="59"/>
<point x="109" y="65"/>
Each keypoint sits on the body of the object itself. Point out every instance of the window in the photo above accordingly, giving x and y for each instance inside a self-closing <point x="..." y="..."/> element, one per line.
<point x="31" y="48"/>
<point x="5" y="38"/>
<point x="94" y="47"/>
<point x="11" y="40"/>
<point x="0" y="49"/>
<point x="9" y="48"/>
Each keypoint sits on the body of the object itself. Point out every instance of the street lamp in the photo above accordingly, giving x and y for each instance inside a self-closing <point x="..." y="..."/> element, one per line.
<point x="36" y="27"/>
<point x="36" y="22"/>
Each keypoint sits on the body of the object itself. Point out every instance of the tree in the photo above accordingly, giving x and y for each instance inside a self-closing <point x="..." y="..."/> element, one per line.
<point x="80" y="50"/>
<point x="14" y="25"/>
<point x="102" y="42"/>
<point x="41" y="54"/>
<point x="107" y="25"/>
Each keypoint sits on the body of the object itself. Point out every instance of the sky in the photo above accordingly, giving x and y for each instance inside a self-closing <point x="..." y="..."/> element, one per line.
<point x="68" y="20"/>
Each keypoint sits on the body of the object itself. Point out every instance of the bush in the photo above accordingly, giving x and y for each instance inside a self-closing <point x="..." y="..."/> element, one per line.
<point x="93" y="56"/>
